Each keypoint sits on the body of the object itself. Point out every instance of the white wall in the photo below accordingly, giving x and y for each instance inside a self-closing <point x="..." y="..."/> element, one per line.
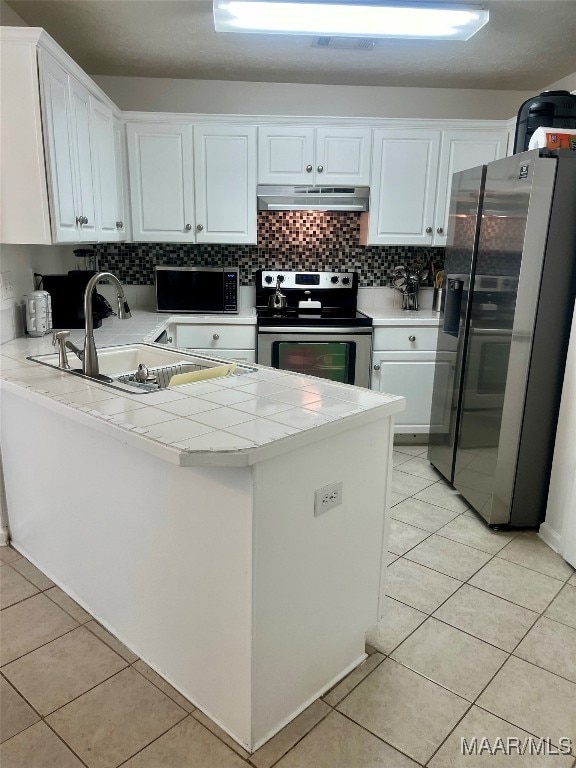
<point x="561" y="509"/>
<point x="223" y="97"/>
<point x="21" y="261"/>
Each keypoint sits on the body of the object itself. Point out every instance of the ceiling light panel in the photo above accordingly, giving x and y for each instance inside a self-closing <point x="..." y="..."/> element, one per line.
<point x="341" y="19"/>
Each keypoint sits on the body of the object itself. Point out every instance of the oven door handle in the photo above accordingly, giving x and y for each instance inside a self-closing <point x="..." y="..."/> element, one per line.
<point x="318" y="330"/>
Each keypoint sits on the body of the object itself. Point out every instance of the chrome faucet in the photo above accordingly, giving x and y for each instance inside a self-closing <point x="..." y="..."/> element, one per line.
<point x="90" y="356"/>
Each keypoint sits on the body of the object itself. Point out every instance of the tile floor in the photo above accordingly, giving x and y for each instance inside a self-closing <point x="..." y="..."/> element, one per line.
<point x="479" y="639"/>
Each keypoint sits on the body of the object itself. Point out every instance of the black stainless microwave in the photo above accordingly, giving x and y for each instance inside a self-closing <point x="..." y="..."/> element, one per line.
<point x="197" y="289"/>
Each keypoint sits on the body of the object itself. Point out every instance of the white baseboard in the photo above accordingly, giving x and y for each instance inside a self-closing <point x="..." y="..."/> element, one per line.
<point x="550" y="537"/>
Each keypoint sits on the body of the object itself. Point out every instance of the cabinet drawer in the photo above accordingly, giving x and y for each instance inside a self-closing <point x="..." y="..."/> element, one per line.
<point x="216" y="337"/>
<point x="400" y="338"/>
<point x="241" y="355"/>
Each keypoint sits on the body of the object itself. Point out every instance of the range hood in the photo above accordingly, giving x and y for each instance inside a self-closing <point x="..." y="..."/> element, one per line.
<point x="303" y="198"/>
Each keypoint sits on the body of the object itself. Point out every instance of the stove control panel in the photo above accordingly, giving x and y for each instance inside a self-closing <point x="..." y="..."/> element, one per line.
<point x="309" y="280"/>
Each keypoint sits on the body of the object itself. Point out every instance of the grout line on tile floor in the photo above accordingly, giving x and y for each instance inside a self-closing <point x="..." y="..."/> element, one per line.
<point x="375" y="735"/>
<point x="534" y="570"/>
<point x="249" y="759"/>
<point x="186" y="715"/>
<point x="65" y="743"/>
<point x="508" y="657"/>
<point x="40" y="720"/>
<point x="17" y="658"/>
<point x="160" y="689"/>
<point x="384" y="656"/>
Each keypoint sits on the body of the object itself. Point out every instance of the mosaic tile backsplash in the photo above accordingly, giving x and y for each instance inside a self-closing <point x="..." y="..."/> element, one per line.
<point x="306" y="240"/>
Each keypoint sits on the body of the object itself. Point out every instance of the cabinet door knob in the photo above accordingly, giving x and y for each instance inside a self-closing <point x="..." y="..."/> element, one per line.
<point x="320" y="168"/>
<point x="188" y="227"/>
<point x="216" y="336"/>
<point x="78" y="220"/>
<point x="85" y="220"/>
<point x="119" y="225"/>
<point x="376" y="367"/>
<point x="440" y="230"/>
<point x="411" y="338"/>
<point x="308" y="169"/>
<point x="428" y="230"/>
<point x="199" y="227"/>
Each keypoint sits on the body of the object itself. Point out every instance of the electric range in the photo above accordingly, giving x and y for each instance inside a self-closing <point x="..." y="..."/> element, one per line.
<point x="319" y="331"/>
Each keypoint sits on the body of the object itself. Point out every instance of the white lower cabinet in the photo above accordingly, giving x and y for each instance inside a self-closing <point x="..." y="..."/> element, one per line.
<point x="407" y="368"/>
<point x="233" y="341"/>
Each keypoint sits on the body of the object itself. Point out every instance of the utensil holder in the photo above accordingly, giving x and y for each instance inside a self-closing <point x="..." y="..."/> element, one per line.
<point x="437" y="300"/>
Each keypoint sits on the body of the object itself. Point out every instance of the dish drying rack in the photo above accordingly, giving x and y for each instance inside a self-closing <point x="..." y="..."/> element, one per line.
<point x="150" y="379"/>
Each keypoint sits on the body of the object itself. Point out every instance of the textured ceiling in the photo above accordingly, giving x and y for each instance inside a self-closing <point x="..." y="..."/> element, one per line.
<point x="526" y="45"/>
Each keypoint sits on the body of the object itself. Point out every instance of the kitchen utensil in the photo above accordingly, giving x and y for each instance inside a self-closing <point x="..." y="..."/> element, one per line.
<point x="277" y="300"/>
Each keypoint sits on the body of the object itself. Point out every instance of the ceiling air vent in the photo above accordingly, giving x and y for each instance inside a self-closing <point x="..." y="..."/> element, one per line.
<point x="345" y="43"/>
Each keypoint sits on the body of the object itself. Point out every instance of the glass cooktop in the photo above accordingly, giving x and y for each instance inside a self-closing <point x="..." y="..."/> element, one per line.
<point x="291" y="317"/>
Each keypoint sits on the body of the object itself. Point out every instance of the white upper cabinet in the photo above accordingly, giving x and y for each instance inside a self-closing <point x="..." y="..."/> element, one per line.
<point x="104" y="171"/>
<point x="405" y="169"/>
<point x="225" y="183"/>
<point x="285" y="154"/>
<point x="82" y="157"/>
<point x="160" y="161"/>
<point x="58" y="143"/>
<point x="305" y="155"/>
<point x="80" y="154"/>
<point x="462" y="150"/>
<point x="412" y="178"/>
<point x="122" y="202"/>
<point x="343" y="156"/>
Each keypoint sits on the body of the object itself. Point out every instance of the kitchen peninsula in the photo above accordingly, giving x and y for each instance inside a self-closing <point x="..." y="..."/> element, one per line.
<point x="185" y="521"/>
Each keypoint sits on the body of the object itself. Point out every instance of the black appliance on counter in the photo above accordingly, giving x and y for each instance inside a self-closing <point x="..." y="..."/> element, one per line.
<point x="67" y="295"/>
<point x="550" y="109"/>
<point x="319" y="331"/>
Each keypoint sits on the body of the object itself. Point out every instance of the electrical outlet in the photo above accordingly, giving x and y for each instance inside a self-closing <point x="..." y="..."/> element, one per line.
<point x="6" y="287"/>
<point x="327" y="498"/>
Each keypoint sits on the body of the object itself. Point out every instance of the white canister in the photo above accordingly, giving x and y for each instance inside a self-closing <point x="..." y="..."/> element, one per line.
<point x="38" y="313"/>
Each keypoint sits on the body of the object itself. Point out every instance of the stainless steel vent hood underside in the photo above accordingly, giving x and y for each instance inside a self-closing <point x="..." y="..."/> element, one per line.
<point x="302" y="198"/>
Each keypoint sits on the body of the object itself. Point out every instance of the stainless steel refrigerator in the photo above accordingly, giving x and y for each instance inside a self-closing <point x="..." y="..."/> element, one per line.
<point x="508" y="297"/>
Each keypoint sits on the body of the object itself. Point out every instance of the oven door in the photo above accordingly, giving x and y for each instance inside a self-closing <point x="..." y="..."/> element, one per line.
<point x="338" y="354"/>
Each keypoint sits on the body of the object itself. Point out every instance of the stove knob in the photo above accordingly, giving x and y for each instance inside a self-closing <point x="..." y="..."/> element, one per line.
<point x="334" y="279"/>
<point x="268" y="279"/>
<point x="346" y="281"/>
<point x="280" y="277"/>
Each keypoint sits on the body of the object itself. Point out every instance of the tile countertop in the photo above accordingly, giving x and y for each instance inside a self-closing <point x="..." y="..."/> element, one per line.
<point x="233" y="421"/>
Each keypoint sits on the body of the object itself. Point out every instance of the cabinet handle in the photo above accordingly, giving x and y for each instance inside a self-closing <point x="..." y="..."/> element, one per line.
<point x="85" y="220"/>
<point x="188" y="227"/>
<point x="199" y="227"/>
<point x="320" y="168"/>
<point x="428" y="230"/>
<point x="308" y="169"/>
<point x="78" y="220"/>
<point x="376" y="367"/>
<point x="216" y="336"/>
<point x="440" y="230"/>
<point x="119" y="225"/>
<point x="411" y="338"/>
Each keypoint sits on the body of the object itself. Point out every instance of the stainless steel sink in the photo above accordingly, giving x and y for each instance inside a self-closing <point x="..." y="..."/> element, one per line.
<point x="119" y="364"/>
